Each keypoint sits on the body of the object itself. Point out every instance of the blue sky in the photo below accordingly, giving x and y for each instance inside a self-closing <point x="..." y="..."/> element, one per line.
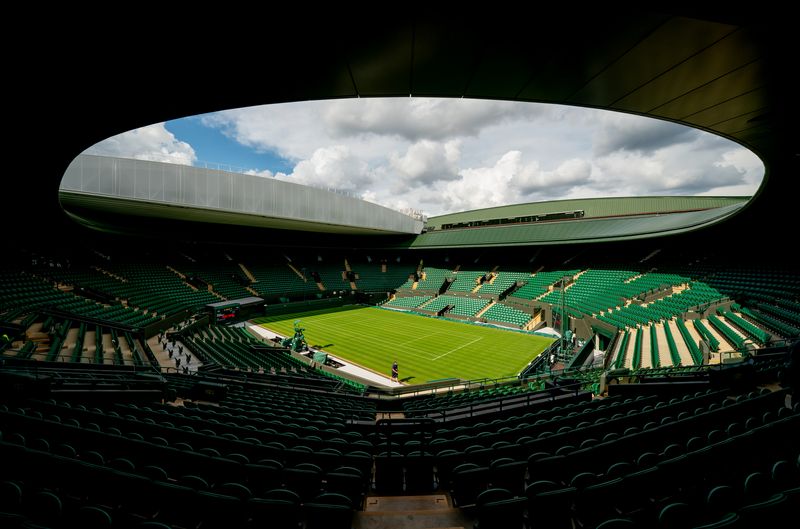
<point x="212" y="147"/>
<point x="445" y="155"/>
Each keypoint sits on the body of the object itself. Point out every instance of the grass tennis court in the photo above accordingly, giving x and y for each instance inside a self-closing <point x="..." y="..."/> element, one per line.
<point x="425" y="348"/>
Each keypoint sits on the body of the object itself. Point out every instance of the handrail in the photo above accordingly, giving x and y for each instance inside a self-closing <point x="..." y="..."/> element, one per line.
<point x="497" y="405"/>
<point x="440" y="413"/>
<point x="64" y="360"/>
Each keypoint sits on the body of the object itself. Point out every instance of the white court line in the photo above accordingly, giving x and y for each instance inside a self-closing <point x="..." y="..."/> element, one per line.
<point x="336" y="315"/>
<point x="366" y="323"/>
<point x="344" y="314"/>
<point x="414" y="352"/>
<point x="322" y="327"/>
<point x="457" y="348"/>
<point x="402" y="346"/>
<point x="417" y="339"/>
<point x="418" y="355"/>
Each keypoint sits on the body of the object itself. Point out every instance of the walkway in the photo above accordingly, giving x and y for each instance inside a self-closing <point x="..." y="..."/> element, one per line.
<point x="347" y="367"/>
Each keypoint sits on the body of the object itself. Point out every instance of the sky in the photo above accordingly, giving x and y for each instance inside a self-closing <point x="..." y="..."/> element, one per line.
<point x="440" y="156"/>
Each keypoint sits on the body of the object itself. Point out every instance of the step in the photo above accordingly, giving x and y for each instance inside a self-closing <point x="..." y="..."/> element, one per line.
<point x="425" y="502"/>
<point x="248" y="273"/>
<point x="484" y="309"/>
<point x="296" y="271"/>
<point x="431" y="511"/>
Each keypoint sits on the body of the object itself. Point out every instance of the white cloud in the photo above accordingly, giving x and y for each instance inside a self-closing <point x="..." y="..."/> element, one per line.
<point x="452" y="154"/>
<point x="570" y="173"/>
<point x="511" y="179"/>
<point x="415" y="119"/>
<point x="625" y="132"/>
<point x="266" y="173"/>
<point x="684" y="168"/>
<point x="369" y="127"/>
<point x="154" y="143"/>
<point x="334" y="168"/>
<point x="482" y="187"/>
<point x="741" y="190"/>
<point x="291" y="130"/>
<point x="427" y="161"/>
<point x="745" y="162"/>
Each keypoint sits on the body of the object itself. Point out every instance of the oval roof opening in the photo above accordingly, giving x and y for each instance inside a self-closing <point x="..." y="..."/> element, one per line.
<point x="436" y="158"/>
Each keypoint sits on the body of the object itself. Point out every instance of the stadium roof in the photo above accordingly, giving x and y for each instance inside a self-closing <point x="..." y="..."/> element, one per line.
<point x="724" y="72"/>
<point x="593" y="207"/>
<point x="603" y="219"/>
<point x="101" y="191"/>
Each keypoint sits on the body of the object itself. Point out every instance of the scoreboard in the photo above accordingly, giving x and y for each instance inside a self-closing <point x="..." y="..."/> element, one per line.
<point x="226" y="313"/>
<point x="233" y="310"/>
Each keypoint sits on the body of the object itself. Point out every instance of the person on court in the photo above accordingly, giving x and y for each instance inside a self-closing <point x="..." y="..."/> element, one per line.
<point x="394" y="371"/>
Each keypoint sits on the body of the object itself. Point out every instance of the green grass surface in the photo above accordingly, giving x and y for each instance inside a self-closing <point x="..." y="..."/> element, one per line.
<point x="425" y="348"/>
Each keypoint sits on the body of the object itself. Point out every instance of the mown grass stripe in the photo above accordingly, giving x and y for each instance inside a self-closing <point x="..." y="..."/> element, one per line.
<point x="425" y="348"/>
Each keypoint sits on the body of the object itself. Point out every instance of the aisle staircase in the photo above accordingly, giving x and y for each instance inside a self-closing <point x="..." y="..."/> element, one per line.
<point x="298" y="272"/>
<point x="419" y="274"/>
<point x="348" y="269"/>
<point x="248" y="273"/>
<point x="431" y="511"/>
<point x="484" y="309"/>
